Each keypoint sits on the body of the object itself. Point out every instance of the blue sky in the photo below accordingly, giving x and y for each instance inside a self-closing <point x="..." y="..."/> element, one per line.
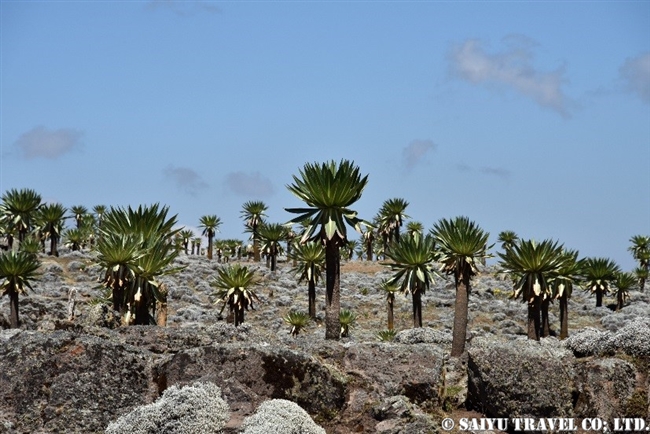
<point x="524" y="116"/>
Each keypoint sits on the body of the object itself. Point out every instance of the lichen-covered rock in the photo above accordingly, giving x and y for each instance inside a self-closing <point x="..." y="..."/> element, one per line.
<point x="397" y="415"/>
<point x="249" y="374"/>
<point x="423" y="335"/>
<point x="279" y="416"/>
<point x="101" y="315"/>
<point x="196" y="408"/>
<point x="390" y="367"/>
<point x="64" y="382"/>
<point x="604" y="387"/>
<point x="520" y="378"/>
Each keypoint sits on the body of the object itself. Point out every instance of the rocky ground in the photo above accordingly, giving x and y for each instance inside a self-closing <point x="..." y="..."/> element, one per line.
<point x="62" y="376"/>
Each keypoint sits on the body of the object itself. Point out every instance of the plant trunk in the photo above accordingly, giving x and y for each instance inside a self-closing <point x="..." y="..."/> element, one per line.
<point x="210" y="247"/>
<point x="274" y="259"/>
<point x="239" y="316"/>
<point x="332" y="289"/>
<point x="534" y="323"/>
<point x="14" y="320"/>
<point x="460" y="313"/>
<point x="161" y="317"/>
<point x="564" y="317"/>
<point x="118" y="299"/>
<point x="53" y="249"/>
<point x="369" y="250"/>
<point x="256" y="245"/>
<point x="599" y="297"/>
<point x="311" y="291"/>
<point x="389" y="308"/>
<point x="142" y="309"/>
<point x="546" y="328"/>
<point x="417" y="308"/>
<point x="619" y="300"/>
<point x="22" y="234"/>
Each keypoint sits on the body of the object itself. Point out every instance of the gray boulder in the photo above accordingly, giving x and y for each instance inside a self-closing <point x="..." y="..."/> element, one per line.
<point x="196" y="408"/>
<point x="390" y="368"/>
<point x="604" y="388"/>
<point x="520" y="378"/>
<point x="249" y="374"/>
<point x="279" y="416"/>
<point x="397" y="415"/>
<point x="64" y="382"/>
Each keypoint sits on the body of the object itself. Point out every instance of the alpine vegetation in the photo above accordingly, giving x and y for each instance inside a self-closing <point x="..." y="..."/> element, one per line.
<point x="279" y="416"/>
<point x="196" y="408"/>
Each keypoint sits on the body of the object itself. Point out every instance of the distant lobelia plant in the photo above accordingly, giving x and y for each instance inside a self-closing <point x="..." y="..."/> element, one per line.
<point x="234" y="288"/>
<point x="310" y="261"/>
<point x="253" y="213"/>
<point x="297" y="320"/>
<point x="51" y="217"/>
<point x="508" y="239"/>
<point x="533" y="266"/>
<point x="412" y="257"/>
<point x="210" y="225"/>
<point x="640" y="249"/>
<point x="74" y="238"/>
<point x="390" y="219"/>
<point x="623" y="283"/>
<point x="462" y="245"/>
<point x="77" y="213"/>
<point x="566" y="276"/>
<point x="386" y="335"/>
<point x="186" y="235"/>
<point x="18" y="211"/>
<point x="347" y="319"/>
<point x="135" y="249"/>
<point x="17" y="271"/>
<point x="598" y="275"/>
<point x="271" y="236"/>
<point x="389" y="289"/>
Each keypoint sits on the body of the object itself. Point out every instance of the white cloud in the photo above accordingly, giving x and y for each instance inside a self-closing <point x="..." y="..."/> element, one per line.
<point x="39" y="142"/>
<point x="636" y="72"/>
<point x="249" y="184"/>
<point x="186" y="179"/>
<point x="415" y="151"/>
<point x="513" y="67"/>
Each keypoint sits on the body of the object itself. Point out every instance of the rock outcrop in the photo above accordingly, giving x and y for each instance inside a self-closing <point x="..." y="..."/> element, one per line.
<point x="520" y="378"/>
<point x="249" y="374"/>
<point x="67" y="382"/>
